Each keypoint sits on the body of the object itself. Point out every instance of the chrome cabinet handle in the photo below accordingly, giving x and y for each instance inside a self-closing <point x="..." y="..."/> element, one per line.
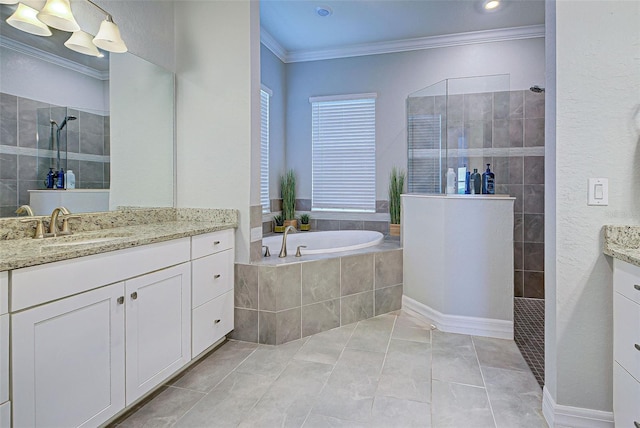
<point x="216" y="321"/>
<point x="216" y="276"/>
<point x="637" y="346"/>
<point x="637" y="424"/>
<point x="134" y="295"/>
<point x="637" y="287"/>
<point x="120" y="300"/>
<point x="216" y="242"/>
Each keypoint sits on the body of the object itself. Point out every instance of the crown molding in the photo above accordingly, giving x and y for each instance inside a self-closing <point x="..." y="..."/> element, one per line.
<point x="434" y="42"/>
<point x="273" y="45"/>
<point x="53" y="59"/>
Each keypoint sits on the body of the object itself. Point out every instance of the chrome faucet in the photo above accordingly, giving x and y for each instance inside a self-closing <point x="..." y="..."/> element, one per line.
<point x="283" y="250"/>
<point x="53" y="223"/>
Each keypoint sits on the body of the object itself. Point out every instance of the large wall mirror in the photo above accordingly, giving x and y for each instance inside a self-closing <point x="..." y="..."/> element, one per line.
<point x="110" y="120"/>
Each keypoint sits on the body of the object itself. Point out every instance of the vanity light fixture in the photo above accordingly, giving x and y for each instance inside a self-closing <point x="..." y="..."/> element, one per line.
<point x="82" y="42"/>
<point x="57" y="14"/>
<point x="25" y="18"/>
<point x="108" y="38"/>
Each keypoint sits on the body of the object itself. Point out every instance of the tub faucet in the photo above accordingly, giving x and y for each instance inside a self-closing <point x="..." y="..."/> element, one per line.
<point x="25" y="209"/>
<point x="283" y="250"/>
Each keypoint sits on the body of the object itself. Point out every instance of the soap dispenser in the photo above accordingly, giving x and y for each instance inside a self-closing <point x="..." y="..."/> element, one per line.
<point x="475" y="182"/>
<point x="49" y="181"/>
<point x="488" y="182"/>
<point x="60" y="179"/>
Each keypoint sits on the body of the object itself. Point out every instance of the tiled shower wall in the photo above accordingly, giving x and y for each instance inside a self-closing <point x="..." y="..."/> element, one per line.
<point x="506" y="130"/>
<point x="25" y="155"/>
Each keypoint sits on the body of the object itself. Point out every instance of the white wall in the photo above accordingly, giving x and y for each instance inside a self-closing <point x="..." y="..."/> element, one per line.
<point x="597" y="94"/>
<point x="273" y="75"/>
<point x="393" y="77"/>
<point x="30" y="77"/>
<point x="216" y="85"/>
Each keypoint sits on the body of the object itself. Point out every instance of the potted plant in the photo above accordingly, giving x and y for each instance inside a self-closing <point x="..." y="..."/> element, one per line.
<point x="304" y="222"/>
<point x="288" y="193"/>
<point x="396" y="187"/>
<point x="279" y="224"/>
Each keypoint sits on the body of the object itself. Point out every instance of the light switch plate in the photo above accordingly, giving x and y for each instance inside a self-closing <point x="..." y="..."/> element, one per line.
<point x="598" y="191"/>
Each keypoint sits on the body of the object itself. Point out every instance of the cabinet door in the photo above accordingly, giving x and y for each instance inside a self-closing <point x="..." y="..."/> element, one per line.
<point x="211" y="276"/>
<point x="626" y="396"/>
<point x="212" y="321"/>
<point x="158" y="328"/>
<point x="68" y="360"/>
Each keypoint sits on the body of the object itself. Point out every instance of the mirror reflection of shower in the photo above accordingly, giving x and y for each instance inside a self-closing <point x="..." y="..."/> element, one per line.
<point x="55" y="179"/>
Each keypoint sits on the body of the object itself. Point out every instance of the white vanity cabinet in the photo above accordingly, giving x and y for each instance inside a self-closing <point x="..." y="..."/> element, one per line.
<point x="68" y="360"/>
<point x="113" y="327"/>
<point x="626" y="344"/>
<point x="158" y="328"/>
<point x="212" y="276"/>
<point x="5" y="405"/>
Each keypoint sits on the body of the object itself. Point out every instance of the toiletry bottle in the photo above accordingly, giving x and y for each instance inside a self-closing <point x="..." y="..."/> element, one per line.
<point x="451" y="182"/>
<point x="477" y="182"/>
<point x="49" y="181"/>
<point x="467" y="188"/>
<point x="60" y="179"/>
<point x="70" y="180"/>
<point x="488" y="182"/>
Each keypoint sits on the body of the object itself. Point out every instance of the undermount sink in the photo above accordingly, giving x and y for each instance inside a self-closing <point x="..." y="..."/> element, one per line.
<point x="81" y="239"/>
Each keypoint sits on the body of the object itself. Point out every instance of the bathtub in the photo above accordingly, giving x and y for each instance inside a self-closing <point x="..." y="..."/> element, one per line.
<point x="332" y="241"/>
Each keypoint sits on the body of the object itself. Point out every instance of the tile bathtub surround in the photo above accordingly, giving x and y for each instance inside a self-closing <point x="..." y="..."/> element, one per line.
<point x="299" y="299"/>
<point x="386" y="371"/>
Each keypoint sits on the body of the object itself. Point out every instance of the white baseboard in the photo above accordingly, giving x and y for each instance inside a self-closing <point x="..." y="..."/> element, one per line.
<point x="558" y="415"/>
<point x="487" y="327"/>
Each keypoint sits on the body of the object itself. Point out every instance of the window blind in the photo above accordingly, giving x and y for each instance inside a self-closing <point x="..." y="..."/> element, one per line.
<point x="344" y="154"/>
<point x="264" y="151"/>
<point x="423" y="157"/>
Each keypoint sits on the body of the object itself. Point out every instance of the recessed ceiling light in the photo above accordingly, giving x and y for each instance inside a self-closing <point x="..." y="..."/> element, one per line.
<point x="323" y="11"/>
<point x="491" y="4"/>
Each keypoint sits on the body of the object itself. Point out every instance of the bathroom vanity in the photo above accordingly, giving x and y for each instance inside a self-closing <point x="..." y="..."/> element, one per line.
<point x="116" y="314"/>
<point x="623" y="244"/>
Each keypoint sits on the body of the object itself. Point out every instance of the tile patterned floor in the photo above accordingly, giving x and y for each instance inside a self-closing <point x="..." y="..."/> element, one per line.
<point x="387" y="371"/>
<point x="529" y="333"/>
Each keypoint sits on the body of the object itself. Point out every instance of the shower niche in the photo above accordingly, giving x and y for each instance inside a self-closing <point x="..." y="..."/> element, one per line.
<point x="455" y="123"/>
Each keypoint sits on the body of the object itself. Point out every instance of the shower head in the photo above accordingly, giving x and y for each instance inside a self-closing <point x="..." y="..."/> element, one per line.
<point x="64" y="122"/>
<point x="537" y="89"/>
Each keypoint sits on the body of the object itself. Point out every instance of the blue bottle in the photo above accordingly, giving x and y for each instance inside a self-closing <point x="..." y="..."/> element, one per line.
<point x="467" y="190"/>
<point x="488" y="182"/>
<point x="475" y="182"/>
<point x="49" y="180"/>
<point x="60" y="179"/>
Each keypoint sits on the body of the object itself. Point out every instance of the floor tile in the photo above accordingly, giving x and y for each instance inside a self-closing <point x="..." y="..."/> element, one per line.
<point x="268" y="360"/>
<point x="321" y="421"/>
<point x="414" y="334"/>
<point x="499" y="353"/>
<point x="205" y="375"/>
<point x="528" y="326"/>
<point x="394" y="412"/>
<point x="228" y="403"/>
<point x="455" y="405"/>
<point x="326" y="347"/>
<point x="515" y="397"/>
<point x="164" y="410"/>
<point x="454" y="359"/>
<point x="372" y="334"/>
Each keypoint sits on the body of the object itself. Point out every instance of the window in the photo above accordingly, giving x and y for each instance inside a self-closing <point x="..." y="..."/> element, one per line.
<point x="265" y="93"/>
<point x="344" y="153"/>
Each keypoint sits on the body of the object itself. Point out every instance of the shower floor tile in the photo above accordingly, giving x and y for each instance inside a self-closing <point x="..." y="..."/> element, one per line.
<point x="529" y="333"/>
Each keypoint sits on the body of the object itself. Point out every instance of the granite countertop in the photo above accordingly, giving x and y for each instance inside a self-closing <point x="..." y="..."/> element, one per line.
<point x="24" y="252"/>
<point x="623" y="243"/>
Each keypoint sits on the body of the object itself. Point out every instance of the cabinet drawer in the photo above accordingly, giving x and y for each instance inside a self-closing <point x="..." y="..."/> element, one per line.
<point x="5" y="415"/>
<point x="626" y="396"/>
<point x="626" y="334"/>
<point x="626" y="279"/>
<point x="212" y="276"/>
<point x="4" y="358"/>
<point x="211" y="322"/>
<point x="210" y="243"/>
